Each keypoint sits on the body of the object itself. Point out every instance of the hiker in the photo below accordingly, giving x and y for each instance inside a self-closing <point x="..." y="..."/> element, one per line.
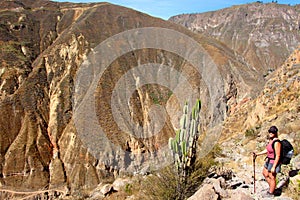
<point x="272" y="164"/>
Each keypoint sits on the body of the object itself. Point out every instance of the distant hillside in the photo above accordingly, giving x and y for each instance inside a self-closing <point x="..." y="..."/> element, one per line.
<point x="277" y="104"/>
<point x="263" y="34"/>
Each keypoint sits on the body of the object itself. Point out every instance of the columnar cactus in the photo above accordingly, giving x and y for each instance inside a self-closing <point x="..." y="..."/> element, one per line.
<point x="183" y="145"/>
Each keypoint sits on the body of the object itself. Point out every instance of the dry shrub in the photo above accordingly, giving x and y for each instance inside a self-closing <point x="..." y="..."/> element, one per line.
<point x="163" y="184"/>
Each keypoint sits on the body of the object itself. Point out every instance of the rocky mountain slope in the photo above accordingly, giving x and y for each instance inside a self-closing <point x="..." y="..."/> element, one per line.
<point x="264" y="34"/>
<point x="45" y="47"/>
<point x="246" y="130"/>
<point x="278" y="104"/>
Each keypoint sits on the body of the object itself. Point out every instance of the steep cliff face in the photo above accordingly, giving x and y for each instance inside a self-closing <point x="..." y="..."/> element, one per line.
<point x="263" y="34"/>
<point x="45" y="47"/>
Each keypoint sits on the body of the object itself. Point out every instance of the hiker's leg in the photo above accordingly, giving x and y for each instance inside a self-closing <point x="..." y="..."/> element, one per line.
<point x="272" y="182"/>
<point x="266" y="175"/>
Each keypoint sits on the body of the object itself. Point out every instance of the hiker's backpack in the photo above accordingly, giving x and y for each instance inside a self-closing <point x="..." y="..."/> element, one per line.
<point x="287" y="151"/>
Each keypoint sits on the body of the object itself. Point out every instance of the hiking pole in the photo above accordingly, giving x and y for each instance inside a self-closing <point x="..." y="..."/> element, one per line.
<point x="254" y="157"/>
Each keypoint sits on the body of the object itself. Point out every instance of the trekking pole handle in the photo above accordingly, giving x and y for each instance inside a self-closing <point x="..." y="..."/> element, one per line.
<point x="254" y="155"/>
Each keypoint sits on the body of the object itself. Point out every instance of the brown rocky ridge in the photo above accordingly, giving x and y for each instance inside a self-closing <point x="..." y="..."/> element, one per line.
<point x="263" y="34"/>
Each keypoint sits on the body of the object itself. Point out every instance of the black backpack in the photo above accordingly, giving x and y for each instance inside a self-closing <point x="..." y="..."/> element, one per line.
<point x="286" y="153"/>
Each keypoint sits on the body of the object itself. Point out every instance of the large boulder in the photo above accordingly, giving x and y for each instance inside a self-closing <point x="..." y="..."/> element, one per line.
<point x="206" y="192"/>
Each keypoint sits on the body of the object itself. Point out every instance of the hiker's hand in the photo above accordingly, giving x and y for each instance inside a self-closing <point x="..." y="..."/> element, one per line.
<point x="273" y="169"/>
<point x="254" y="155"/>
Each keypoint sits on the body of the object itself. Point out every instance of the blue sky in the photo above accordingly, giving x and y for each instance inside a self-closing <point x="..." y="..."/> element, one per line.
<point x="167" y="8"/>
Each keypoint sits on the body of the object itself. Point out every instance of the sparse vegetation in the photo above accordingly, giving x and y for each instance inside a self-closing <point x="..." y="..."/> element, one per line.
<point x="252" y="133"/>
<point x="12" y="50"/>
<point x="158" y="96"/>
<point x="163" y="184"/>
<point x="128" y="189"/>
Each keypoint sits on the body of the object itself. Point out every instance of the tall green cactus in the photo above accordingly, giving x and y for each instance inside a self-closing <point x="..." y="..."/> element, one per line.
<point x="183" y="145"/>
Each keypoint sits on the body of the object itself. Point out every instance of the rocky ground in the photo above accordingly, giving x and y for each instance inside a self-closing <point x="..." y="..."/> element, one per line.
<point x="221" y="184"/>
<point x="240" y="186"/>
